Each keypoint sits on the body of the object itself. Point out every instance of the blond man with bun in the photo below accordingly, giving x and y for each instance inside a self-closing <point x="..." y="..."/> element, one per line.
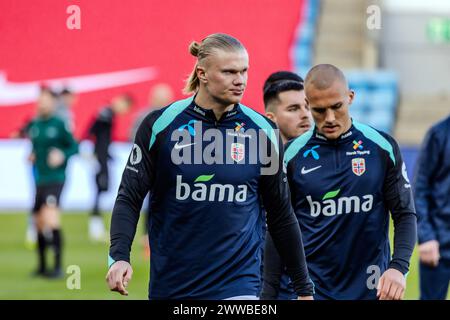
<point x="208" y="183"/>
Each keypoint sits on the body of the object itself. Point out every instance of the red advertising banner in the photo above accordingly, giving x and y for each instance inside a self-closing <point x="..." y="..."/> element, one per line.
<point x="128" y="46"/>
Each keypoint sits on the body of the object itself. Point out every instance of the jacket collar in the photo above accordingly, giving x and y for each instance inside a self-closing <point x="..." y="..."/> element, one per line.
<point x="344" y="138"/>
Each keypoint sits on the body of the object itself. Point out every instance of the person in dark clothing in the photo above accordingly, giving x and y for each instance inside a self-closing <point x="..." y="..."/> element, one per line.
<point x="160" y="95"/>
<point x="53" y="145"/>
<point x="206" y="219"/>
<point x="285" y="104"/>
<point x="346" y="178"/>
<point x="432" y="198"/>
<point x="101" y="131"/>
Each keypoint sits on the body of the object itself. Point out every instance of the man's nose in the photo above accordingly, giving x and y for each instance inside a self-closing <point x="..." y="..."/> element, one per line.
<point x="303" y="114"/>
<point x="330" y="117"/>
<point x="239" y="79"/>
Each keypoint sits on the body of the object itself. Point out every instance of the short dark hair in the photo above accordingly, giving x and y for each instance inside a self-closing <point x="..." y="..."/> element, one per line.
<point x="281" y="75"/>
<point x="278" y="82"/>
<point x="65" y="91"/>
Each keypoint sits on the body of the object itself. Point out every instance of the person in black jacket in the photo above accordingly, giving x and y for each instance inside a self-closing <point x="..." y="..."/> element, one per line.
<point x="206" y="218"/>
<point x="101" y="130"/>
<point x="432" y="198"/>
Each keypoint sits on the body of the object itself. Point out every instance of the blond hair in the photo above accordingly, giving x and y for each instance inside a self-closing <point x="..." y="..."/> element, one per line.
<point x="203" y="49"/>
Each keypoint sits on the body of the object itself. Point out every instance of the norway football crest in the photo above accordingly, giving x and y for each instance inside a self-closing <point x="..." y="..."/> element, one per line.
<point x="237" y="151"/>
<point x="358" y="166"/>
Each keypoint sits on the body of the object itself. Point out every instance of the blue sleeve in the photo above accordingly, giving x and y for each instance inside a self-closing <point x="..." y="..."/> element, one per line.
<point x="426" y="165"/>
<point x="273" y="269"/>
<point x="399" y="200"/>
<point x="136" y="181"/>
<point x="283" y="226"/>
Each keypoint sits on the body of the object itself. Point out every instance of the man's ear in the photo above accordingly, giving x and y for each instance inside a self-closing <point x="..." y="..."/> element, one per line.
<point x="201" y="74"/>
<point x="271" y="116"/>
<point x="351" y="96"/>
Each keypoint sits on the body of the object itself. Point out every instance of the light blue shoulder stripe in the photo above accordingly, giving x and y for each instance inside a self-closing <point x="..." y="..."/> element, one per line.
<point x="167" y="117"/>
<point x="372" y="134"/>
<point x="297" y="144"/>
<point x="263" y="124"/>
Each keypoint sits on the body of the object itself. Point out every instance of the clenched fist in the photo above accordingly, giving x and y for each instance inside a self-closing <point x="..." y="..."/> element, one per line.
<point x="429" y="253"/>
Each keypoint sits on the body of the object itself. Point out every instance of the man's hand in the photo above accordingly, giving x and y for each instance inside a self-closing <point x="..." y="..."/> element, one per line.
<point x="305" y="298"/>
<point x="392" y="285"/>
<point x="429" y="253"/>
<point x="118" y="277"/>
<point x="55" y="158"/>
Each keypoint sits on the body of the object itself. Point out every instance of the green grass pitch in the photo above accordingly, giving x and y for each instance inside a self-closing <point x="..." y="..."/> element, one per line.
<point x="17" y="263"/>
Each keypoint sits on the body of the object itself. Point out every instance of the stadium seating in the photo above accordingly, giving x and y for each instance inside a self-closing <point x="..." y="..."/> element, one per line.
<point x="303" y="49"/>
<point x="376" y="97"/>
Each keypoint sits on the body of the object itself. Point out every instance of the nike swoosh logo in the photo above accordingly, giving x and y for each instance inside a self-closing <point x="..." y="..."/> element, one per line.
<point x="305" y="171"/>
<point x="17" y="93"/>
<point x="181" y="146"/>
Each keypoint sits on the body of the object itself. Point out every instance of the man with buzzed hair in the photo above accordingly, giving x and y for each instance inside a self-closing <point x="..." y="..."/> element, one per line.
<point x="345" y="177"/>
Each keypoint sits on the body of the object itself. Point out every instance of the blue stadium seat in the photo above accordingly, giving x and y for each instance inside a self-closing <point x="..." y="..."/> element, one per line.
<point x="358" y="114"/>
<point x="357" y="81"/>
<point x="307" y="34"/>
<point x="383" y="100"/>
<point x="383" y="79"/>
<point x="381" y="120"/>
<point x="376" y="91"/>
<point x="379" y="90"/>
<point x="361" y="100"/>
<point x="303" y="55"/>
